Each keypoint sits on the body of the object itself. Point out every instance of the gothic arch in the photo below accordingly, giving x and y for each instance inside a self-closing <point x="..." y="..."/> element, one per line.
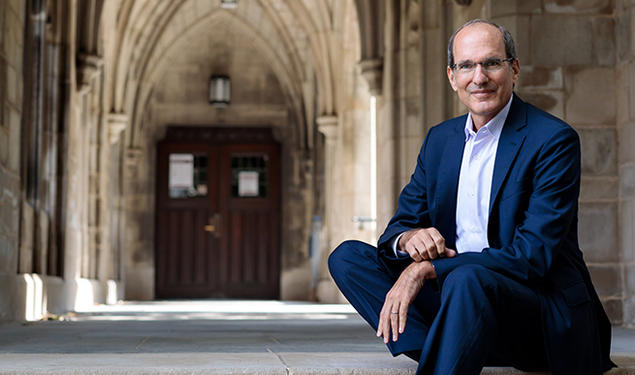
<point x="155" y="65"/>
<point x="142" y="25"/>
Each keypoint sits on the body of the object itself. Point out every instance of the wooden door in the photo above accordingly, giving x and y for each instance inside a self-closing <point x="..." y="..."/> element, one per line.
<point x="218" y="216"/>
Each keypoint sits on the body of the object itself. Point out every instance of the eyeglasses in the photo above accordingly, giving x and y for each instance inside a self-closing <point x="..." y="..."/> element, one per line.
<point x="489" y="65"/>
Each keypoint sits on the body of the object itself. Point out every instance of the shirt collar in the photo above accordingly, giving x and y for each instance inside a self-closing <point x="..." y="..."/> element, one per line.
<point x="493" y="126"/>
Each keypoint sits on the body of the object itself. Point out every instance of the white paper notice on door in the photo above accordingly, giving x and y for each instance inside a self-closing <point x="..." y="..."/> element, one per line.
<point x="181" y="171"/>
<point x="248" y="184"/>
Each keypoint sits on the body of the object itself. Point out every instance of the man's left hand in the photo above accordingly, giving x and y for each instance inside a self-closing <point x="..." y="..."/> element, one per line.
<point x="394" y="313"/>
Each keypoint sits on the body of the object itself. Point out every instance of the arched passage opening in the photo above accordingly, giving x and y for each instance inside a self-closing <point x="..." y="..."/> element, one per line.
<point x="269" y="93"/>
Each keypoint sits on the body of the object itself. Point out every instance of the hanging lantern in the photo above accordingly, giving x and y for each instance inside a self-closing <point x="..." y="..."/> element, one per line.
<point x="219" y="91"/>
<point x="229" y="4"/>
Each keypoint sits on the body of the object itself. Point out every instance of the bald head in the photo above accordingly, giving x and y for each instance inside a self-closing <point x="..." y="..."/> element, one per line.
<point x="506" y="36"/>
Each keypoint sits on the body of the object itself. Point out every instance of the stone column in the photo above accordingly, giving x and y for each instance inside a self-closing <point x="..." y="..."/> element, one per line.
<point x="327" y="125"/>
<point x="116" y="123"/>
<point x="133" y="157"/>
<point x="31" y="135"/>
<point x="387" y="122"/>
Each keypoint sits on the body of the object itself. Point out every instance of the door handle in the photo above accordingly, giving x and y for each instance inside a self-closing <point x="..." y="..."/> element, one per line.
<point x="214" y="225"/>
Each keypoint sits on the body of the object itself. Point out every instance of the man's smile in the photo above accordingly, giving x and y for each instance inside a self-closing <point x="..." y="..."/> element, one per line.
<point x="482" y="93"/>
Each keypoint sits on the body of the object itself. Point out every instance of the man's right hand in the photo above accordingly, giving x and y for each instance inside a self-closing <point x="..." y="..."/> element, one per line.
<point x="424" y="244"/>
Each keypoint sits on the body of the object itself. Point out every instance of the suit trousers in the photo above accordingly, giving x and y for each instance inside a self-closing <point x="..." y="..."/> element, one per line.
<point x="477" y="318"/>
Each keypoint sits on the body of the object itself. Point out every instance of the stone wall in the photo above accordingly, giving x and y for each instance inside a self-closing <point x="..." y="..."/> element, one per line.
<point x="51" y="151"/>
<point x="567" y="52"/>
<point x="567" y="57"/>
<point x="12" y="20"/>
<point x="625" y="102"/>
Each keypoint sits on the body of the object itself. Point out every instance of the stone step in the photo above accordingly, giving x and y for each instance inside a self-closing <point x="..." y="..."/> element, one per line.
<point x="513" y="371"/>
<point x="270" y="363"/>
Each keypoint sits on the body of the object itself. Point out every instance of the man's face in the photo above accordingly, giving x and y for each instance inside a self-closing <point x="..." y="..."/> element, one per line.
<point x="483" y="93"/>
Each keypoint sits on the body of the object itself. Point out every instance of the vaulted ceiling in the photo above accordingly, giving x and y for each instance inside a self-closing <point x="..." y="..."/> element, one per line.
<point x="299" y="39"/>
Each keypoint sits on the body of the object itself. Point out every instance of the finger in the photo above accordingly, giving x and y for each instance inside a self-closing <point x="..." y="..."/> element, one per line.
<point x="420" y="246"/>
<point x="450" y="253"/>
<point x="439" y="242"/>
<point x="394" y="323"/>
<point x="414" y="254"/>
<point x="412" y="251"/>
<point x="430" y="246"/>
<point x="403" y="316"/>
<point x="386" y="328"/>
<point x="385" y="323"/>
<point x="381" y="321"/>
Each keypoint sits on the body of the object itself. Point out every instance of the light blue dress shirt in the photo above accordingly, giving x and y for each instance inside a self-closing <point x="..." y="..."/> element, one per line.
<point x="475" y="184"/>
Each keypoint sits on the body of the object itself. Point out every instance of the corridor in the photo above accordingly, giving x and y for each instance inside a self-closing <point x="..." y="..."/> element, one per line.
<point x="184" y="337"/>
<point x="216" y="337"/>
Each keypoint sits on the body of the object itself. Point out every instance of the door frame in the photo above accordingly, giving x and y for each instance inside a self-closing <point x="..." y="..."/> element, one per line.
<point x="218" y="137"/>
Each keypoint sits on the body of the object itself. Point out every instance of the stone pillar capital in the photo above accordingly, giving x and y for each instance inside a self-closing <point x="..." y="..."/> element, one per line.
<point x="327" y="125"/>
<point x="88" y="67"/>
<point x="117" y="123"/>
<point x="372" y="71"/>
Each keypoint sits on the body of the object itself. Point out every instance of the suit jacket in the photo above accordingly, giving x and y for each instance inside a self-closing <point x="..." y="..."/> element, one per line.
<point x="532" y="227"/>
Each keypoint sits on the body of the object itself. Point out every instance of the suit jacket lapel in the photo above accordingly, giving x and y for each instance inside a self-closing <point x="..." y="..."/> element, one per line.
<point x="511" y="139"/>
<point x="448" y="181"/>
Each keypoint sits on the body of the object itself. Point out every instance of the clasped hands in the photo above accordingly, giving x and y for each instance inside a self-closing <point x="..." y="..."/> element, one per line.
<point x="422" y="244"/>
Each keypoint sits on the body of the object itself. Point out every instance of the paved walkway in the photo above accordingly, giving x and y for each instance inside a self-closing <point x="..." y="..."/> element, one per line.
<point x="216" y="337"/>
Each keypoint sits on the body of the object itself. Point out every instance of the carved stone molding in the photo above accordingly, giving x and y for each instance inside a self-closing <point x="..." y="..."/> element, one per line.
<point x="220" y="134"/>
<point x="88" y="67"/>
<point x="372" y="71"/>
<point x="133" y="155"/>
<point x="327" y="125"/>
<point x="117" y="123"/>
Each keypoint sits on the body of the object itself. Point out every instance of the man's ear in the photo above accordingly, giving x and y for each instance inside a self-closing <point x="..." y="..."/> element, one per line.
<point x="515" y="71"/>
<point x="452" y="78"/>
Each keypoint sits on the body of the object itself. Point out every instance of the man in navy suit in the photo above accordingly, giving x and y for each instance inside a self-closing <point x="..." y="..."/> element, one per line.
<point x="480" y="265"/>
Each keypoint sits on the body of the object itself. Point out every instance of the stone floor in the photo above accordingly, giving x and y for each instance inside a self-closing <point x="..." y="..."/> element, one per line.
<point x="217" y="337"/>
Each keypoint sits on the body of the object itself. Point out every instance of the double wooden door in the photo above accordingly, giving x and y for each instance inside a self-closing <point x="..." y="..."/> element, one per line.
<point x="218" y="215"/>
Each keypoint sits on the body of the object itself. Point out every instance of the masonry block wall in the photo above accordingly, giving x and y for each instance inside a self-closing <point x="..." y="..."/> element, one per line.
<point x="571" y="56"/>
<point x="625" y="101"/>
<point x="12" y="16"/>
<point x="570" y="67"/>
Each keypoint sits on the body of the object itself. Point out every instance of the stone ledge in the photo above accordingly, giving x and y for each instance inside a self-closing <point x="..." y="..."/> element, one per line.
<point x="287" y="363"/>
<point x="220" y="337"/>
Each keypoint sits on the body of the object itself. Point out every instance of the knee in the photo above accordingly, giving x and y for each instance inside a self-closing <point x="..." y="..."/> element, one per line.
<point x="469" y="277"/>
<point x="344" y="256"/>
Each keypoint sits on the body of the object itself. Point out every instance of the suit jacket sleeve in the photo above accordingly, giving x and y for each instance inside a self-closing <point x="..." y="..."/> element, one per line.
<point x="548" y="218"/>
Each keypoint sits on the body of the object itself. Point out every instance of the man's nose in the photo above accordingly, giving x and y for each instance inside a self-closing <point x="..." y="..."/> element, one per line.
<point x="479" y="77"/>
